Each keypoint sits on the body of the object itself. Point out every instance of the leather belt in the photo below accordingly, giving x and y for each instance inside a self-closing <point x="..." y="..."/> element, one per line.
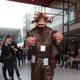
<point x="39" y="60"/>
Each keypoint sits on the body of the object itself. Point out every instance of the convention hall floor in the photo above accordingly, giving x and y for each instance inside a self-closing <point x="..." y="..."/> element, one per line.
<point x="60" y="73"/>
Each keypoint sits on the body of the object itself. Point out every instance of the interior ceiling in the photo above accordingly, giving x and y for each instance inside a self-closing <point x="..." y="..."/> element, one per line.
<point x="38" y="2"/>
<point x="8" y="31"/>
<point x="74" y="1"/>
<point x="58" y="4"/>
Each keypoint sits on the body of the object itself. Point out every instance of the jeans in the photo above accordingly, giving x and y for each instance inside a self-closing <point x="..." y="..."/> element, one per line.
<point x="8" y="66"/>
<point x="16" y="68"/>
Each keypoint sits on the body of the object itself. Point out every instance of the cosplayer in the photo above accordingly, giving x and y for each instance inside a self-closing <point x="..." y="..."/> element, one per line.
<point x="42" y="39"/>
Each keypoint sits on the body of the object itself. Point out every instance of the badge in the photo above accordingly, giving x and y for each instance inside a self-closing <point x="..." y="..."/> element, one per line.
<point x="45" y="61"/>
<point x="33" y="59"/>
<point x="42" y="48"/>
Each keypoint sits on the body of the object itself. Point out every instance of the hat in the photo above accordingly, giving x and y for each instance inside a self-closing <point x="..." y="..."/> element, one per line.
<point x="41" y="15"/>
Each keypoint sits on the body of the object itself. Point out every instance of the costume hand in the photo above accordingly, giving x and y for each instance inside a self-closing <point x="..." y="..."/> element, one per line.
<point x="30" y="41"/>
<point x="58" y="37"/>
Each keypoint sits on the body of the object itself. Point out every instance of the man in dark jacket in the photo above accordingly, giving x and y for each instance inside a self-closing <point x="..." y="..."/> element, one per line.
<point x="14" y="51"/>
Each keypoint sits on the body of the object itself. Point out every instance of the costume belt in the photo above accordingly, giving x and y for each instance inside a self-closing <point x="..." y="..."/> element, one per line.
<point x="35" y="59"/>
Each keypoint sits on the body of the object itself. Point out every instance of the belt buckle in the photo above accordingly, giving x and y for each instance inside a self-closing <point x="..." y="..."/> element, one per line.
<point x="40" y="60"/>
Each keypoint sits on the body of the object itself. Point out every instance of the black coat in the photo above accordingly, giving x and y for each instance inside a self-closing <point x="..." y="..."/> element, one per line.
<point x="6" y="54"/>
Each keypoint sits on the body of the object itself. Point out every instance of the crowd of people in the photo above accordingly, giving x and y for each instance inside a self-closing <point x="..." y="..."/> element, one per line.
<point x="12" y="56"/>
<point x="70" y="59"/>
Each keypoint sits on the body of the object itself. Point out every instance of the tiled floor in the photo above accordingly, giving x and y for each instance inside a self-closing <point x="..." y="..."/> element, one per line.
<point x="66" y="74"/>
<point x="60" y="73"/>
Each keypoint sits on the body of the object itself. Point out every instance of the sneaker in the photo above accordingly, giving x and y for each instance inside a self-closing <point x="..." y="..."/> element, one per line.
<point x="19" y="78"/>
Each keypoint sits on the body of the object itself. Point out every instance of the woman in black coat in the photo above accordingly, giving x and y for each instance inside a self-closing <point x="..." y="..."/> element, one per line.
<point x="6" y="58"/>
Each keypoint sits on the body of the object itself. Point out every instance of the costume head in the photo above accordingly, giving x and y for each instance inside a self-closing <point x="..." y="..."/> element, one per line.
<point x="41" y="19"/>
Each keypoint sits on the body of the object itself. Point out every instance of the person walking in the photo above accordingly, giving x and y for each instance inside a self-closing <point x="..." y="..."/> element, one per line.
<point x="6" y="58"/>
<point x="14" y="50"/>
<point x="42" y="39"/>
